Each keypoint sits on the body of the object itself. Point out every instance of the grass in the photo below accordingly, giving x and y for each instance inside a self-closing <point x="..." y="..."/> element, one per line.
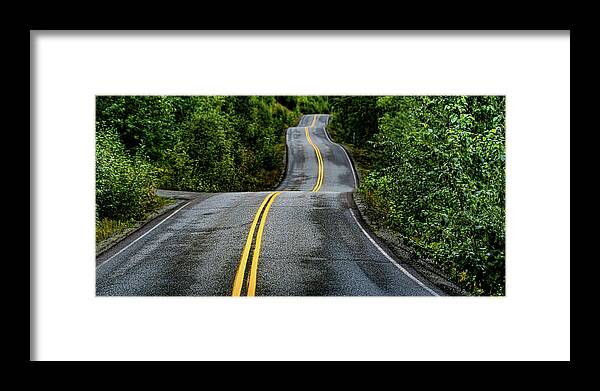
<point x="106" y="228"/>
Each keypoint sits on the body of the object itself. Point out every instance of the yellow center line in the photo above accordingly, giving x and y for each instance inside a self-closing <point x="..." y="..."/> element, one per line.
<point x="239" y="276"/>
<point x="254" y="266"/>
<point x="320" y="162"/>
<point x="321" y="171"/>
<point x="261" y="214"/>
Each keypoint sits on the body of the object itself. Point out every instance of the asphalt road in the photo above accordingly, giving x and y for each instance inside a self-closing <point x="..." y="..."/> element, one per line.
<point x="303" y="239"/>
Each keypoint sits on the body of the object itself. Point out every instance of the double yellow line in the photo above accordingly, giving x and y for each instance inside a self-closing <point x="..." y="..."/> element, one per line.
<point x="260" y="219"/>
<point x="319" y="158"/>
<point x="241" y="271"/>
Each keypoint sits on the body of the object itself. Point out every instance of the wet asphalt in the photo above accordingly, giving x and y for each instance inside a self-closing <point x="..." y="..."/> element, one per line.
<point x="312" y="244"/>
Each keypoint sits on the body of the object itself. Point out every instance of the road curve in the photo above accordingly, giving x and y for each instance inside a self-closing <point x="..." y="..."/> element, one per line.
<point x="304" y="238"/>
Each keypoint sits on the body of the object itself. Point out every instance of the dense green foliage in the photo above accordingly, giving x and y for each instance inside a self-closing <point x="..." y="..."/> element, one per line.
<point x="305" y="104"/>
<point x="194" y="143"/>
<point x="125" y="184"/>
<point x="355" y="118"/>
<point x="437" y="177"/>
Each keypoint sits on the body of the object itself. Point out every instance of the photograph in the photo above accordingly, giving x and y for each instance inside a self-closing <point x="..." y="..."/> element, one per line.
<point x="300" y="195"/>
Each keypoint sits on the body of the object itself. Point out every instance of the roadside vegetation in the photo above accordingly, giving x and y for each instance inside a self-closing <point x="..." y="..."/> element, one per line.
<point x="433" y="171"/>
<point x="192" y="143"/>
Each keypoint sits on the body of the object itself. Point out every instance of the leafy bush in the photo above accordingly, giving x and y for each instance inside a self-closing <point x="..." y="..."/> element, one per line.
<point x="354" y="118"/>
<point x="124" y="184"/>
<point x="438" y="177"/>
<point x="144" y="123"/>
<point x="312" y="104"/>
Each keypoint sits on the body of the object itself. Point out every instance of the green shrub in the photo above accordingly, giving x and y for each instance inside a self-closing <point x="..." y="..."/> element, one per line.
<point x="438" y="179"/>
<point x="143" y="123"/>
<point x="354" y="118"/>
<point x="124" y="184"/>
<point x="312" y="104"/>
